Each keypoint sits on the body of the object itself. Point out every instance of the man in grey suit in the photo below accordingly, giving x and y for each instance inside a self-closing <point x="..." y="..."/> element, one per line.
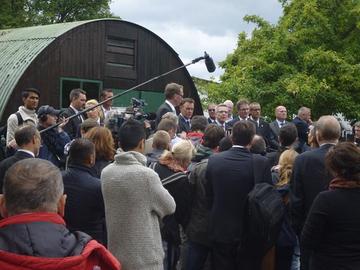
<point x="279" y="122"/>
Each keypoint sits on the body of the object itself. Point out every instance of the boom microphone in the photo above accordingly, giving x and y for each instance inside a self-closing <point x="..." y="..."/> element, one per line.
<point x="210" y="66"/>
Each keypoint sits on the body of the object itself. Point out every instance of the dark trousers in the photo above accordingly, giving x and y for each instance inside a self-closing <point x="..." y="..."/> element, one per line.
<point x="230" y="257"/>
<point x="283" y="257"/>
<point x="304" y="259"/>
<point x="196" y="256"/>
<point x="172" y="254"/>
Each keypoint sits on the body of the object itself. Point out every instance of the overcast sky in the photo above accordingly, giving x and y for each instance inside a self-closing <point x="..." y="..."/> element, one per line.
<point x="192" y="27"/>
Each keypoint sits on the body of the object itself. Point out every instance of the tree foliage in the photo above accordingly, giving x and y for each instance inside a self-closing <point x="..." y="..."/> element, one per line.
<point x="311" y="57"/>
<point x="18" y="13"/>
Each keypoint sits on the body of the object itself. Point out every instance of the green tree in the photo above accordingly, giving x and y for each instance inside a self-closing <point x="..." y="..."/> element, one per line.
<point x="311" y="57"/>
<point x="16" y="13"/>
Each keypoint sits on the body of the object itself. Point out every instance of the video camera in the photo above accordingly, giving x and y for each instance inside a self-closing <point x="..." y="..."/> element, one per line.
<point x="135" y="111"/>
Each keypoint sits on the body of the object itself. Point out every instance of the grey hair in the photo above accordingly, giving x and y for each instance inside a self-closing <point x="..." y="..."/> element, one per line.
<point x="32" y="185"/>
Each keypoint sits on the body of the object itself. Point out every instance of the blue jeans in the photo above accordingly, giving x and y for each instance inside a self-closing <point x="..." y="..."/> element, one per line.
<point x="196" y="256"/>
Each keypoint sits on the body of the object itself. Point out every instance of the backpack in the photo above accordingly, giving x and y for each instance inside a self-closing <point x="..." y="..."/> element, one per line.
<point x="266" y="211"/>
<point x="3" y="131"/>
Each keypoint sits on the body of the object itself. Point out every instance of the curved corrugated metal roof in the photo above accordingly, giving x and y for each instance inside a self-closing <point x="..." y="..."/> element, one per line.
<point x="19" y="47"/>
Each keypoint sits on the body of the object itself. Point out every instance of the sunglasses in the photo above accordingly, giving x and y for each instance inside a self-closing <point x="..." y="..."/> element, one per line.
<point x="211" y="110"/>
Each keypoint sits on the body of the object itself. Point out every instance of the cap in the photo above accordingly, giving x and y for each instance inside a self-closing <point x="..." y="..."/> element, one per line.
<point x="46" y="109"/>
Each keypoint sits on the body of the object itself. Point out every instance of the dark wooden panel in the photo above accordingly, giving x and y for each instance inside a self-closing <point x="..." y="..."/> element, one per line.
<point x="114" y="49"/>
<point x="119" y="72"/>
<point x="118" y="83"/>
<point x="119" y="58"/>
<point x="123" y="30"/>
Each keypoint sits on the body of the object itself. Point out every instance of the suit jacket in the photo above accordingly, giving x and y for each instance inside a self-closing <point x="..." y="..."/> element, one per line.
<point x="84" y="196"/>
<point x="8" y="162"/>
<point x="233" y="121"/>
<point x="275" y="130"/>
<point x="308" y="179"/>
<point x="183" y="125"/>
<point x="164" y="108"/>
<point x="72" y="128"/>
<point x="230" y="177"/>
<point x="211" y="121"/>
<point x="263" y="129"/>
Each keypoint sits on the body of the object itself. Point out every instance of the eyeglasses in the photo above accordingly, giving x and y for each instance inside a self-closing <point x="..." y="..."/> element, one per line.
<point x="222" y="111"/>
<point x="211" y="110"/>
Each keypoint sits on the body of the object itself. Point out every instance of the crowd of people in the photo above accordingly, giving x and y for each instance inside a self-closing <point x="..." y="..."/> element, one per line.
<point x="79" y="196"/>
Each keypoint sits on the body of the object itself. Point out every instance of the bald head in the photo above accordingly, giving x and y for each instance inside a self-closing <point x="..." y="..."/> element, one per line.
<point x="328" y="129"/>
<point x="280" y="113"/>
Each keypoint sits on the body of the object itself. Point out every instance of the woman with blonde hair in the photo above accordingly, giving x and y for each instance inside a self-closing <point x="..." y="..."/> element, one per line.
<point x="104" y="147"/>
<point x="94" y="113"/>
<point x="171" y="168"/>
<point x="287" y="240"/>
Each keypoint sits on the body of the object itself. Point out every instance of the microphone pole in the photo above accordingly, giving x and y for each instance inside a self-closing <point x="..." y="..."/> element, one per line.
<point x="125" y="92"/>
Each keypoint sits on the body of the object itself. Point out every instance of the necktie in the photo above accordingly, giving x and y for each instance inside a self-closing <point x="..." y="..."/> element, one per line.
<point x="282" y="124"/>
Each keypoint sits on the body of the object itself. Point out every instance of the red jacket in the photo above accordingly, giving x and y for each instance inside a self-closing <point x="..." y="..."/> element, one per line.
<point x="93" y="254"/>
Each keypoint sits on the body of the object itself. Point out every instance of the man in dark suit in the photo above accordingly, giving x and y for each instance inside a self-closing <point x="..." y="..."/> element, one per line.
<point x="309" y="176"/>
<point x="230" y="177"/>
<point x="173" y="97"/>
<point x="279" y="122"/>
<point x="243" y="110"/>
<point x="84" y="210"/>
<point x="186" y="112"/>
<point x="212" y="113"/>
<point x="77" y="103"/>
<point x="28" y="140"/>
<point x="287" y="139"/>
<point x="302" y="122"/>
<point x="262" y="127"/>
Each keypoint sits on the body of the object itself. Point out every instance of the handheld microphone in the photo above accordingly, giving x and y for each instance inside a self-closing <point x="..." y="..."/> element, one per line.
<point x="210" y="66"/>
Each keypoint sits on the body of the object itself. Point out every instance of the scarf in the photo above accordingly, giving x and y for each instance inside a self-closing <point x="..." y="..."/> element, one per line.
<point x="344" y="184"/>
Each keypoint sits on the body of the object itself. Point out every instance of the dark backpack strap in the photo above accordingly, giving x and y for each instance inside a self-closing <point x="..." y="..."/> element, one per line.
<point x="19" y="118"/>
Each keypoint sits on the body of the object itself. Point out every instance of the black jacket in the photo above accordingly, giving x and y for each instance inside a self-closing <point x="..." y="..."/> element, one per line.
<point x="52" y="148"/>
<point x="72" y="128"/>
<point x="100" y="164"/>
<point x="183" y="124"/>
<point x="309" y="177"/>
<point x="84" y="210"/>
<point x="181" y="192"/>
<point x="331" y="233"/>
<point x="230" y="176"/>
<point x="8" y="162"/>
